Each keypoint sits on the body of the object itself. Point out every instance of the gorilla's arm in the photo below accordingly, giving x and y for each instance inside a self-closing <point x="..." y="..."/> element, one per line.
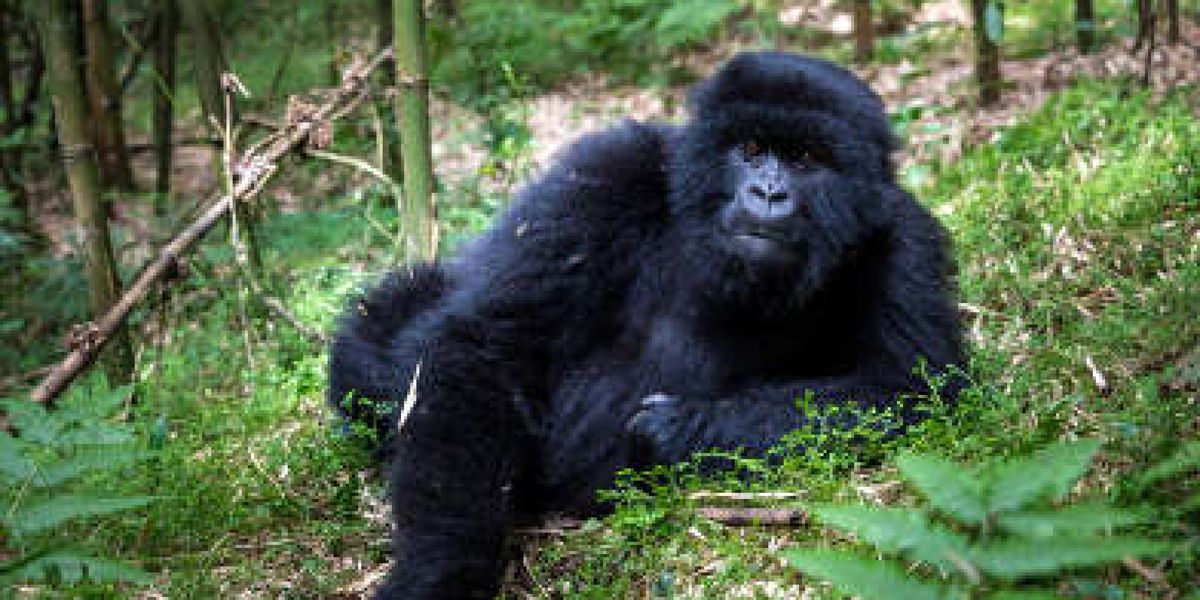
<point x="539" y="276"/>
<point x="912" y="317"/>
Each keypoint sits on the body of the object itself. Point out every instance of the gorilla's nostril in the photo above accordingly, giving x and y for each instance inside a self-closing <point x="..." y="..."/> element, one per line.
<point x="777" y="197"/>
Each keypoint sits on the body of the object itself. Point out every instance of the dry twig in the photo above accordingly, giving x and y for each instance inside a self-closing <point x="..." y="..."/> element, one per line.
<point x="251" y="172"/>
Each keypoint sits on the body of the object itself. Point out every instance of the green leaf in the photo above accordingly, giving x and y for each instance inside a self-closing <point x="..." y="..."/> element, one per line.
<point x="70" y="567"/>
<point x="95" y="434"/>
<point x="867" y="578"/>
<point x="993" y="22"/>
<point x="32" y="420"/>
<point x="15" y="467"/>
<point x="1187" y="459"/>
<point x="1017" y="558"/>
<point x="1075" y="520"/>
<point x="690" y="21"/>
<point x="73" y="466"/>
<point x="948" y="486"/>
<point x="897" y="530"/>
<point x="1049" y="472"/>
<point x="51" y="512"/>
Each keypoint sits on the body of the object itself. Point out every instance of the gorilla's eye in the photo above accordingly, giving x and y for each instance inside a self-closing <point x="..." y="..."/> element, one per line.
<point x="752" y="149"/>
<point x="807" y="157"/>
<point x="818" y="155"/>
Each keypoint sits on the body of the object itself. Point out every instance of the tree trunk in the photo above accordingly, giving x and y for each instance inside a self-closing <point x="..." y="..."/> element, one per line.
<point x="864" y="32"/>
<point x="987" y="49"/>
<point x="383" y="38"/>
<point x="70" y="110"/>
<point x="1085" y="25"/>
<point x="333" y="37"/>
<point x="1145" y="22"/>
<point x="208" y="56"/>
<point x="164" y="67"/>
<point x="418" y="220"/>
<point x="1172" y="9"/>
<point x="8" y="102"/>
<point x="104" y="99"/>
<point x="389" y="155"/>
<point x="10" y="158"/>
<point x="27" y="112"/>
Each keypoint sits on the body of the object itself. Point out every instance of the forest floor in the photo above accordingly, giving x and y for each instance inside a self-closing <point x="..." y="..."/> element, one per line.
<point x="1080" y="278"/>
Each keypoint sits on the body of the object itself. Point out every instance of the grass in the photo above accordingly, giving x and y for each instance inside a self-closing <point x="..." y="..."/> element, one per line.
<point x="1076" y="233"/>
<point x="1074" y="252"/>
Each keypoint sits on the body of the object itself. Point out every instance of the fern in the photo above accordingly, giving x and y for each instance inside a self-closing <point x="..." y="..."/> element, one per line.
<point x="1184" y="461"/>
<point x="1048" y="473"/>
<point x="42" y="486"/>
<point x="1076" y="520"/>
<point x="897" y="531"/>
<point x="863" y="576"/>
<point x="1001" y="532"/>
<point x="948" y="488"/>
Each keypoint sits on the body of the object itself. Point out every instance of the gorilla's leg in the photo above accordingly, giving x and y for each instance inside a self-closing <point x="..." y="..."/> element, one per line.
<point x="370" y="367"/>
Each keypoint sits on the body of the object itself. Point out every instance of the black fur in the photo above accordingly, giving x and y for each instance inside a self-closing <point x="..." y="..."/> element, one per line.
<point x="613" y="318"/>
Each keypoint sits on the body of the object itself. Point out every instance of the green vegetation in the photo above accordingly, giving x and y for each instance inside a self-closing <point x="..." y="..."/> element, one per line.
<point x="1066" y="260"/>
<point x="998" y="530"/>
<point x="632" y="40"/>
<point x="52" y="478"/>
<point x="1076" y="232"/>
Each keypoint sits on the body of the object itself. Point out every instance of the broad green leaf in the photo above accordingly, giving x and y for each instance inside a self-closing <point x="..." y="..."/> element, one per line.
<point x="1014" y="559"/>
<point x="71" y="567"/>
<point x="32" y="420"/>
<point x="15" y="467"/>
<point x="1187" y="459"/>
<point x="47" y="513"/>
<point x="94" y="403"/>
<point x="1074" y="520"/>
<point x="1049" y="472"/>
<point x="867" y="578"/>
<point x="95" y="434"/>
<point x="948" y="486"/>
<point x="897" y="530"/>
<point x="993" y="21"/>
<point x="97" y="460"/>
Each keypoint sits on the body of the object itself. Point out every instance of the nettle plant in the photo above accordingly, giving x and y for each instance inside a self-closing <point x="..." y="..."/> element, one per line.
<point x="48" y="476"/>
<point x="991" y="532"/>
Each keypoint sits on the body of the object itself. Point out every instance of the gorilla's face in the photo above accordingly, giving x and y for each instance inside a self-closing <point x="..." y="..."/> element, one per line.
<point x="780" y="177"/>
<point x="767" y="215"/>
<point x="772" y="210"/>
<point x="788" y="207"/>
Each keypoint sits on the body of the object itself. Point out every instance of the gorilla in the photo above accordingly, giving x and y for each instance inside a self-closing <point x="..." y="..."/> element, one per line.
<point x="660" y="290"/>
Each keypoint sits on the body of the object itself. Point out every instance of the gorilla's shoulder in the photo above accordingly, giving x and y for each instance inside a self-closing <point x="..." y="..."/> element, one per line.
<point x="630" y="155"/>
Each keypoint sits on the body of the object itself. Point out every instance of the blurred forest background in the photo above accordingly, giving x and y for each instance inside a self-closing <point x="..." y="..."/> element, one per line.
<point x="191" y="191"/>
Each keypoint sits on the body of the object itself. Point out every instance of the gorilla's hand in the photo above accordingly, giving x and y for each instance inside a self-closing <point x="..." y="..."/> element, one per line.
<point x="665" y="429"/>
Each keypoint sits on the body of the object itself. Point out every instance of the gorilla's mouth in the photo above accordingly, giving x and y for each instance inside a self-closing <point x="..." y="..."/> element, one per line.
<point x="763" y="244"/>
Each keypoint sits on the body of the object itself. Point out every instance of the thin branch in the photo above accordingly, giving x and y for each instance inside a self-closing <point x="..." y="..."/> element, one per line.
<point x="279" y="308"/>
<point x="252" y="172"/>
<point x="359" y="164"/>
<point x="729" y="516"/>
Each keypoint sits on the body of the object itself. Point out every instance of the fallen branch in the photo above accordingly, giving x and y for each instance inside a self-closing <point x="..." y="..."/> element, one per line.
<point x="741" y="517"/>
<point x="277" y="306"/>
<point x="730" y="516"/>
<point x="252" y="171"/>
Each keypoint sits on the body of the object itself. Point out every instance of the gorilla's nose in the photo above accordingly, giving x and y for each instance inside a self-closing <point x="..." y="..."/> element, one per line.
<point x="767" y="203"/>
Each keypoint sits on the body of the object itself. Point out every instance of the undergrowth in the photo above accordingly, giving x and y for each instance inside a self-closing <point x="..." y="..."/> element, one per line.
<point x="1080" y="273"/>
